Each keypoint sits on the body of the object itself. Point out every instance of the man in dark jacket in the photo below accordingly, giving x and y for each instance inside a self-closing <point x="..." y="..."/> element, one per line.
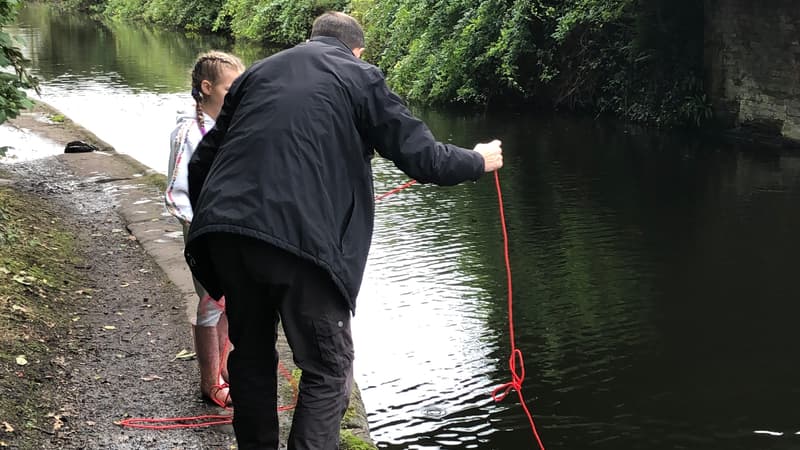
<point x="283" y="214"/>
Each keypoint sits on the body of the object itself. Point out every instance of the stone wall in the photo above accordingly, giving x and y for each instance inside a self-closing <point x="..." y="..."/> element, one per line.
<point x="753" y="63"/>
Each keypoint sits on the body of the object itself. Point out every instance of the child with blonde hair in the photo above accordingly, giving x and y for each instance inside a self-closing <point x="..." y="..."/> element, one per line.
<point x="212" y="76"/>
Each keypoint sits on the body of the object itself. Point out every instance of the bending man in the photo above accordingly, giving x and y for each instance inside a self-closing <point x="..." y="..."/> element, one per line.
<point x="283" y="200"/>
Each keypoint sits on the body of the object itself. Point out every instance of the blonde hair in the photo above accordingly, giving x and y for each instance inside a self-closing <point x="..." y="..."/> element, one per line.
<point x="210" y="66"/>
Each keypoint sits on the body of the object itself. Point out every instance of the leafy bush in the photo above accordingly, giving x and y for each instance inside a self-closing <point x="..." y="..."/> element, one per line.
<point x="14" y="78"/>
<point x="637" y="59"/>
<point x="282" y="22"/>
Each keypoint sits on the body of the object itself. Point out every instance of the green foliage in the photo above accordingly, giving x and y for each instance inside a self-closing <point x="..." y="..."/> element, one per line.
<point x="282" y="22"/>
<point x="126" y="9"/>
<point x="12" y="96"/>
<point x="191" y="15"/>
<point x="637" y="59"/>
<point x="88" y="6"/>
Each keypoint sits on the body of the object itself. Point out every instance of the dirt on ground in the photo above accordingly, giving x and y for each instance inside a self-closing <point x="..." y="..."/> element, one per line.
<point x="114" y="356"/>
<point x="92" y="307"/>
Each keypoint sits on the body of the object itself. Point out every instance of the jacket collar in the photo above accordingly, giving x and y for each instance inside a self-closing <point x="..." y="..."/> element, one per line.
<point x="331" y="41"/>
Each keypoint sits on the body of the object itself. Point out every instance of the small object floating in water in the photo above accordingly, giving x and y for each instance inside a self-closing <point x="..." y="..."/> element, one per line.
<point x="771" y="433"/>
<point x="434" y="412"/>
<point x="79" y="147"/>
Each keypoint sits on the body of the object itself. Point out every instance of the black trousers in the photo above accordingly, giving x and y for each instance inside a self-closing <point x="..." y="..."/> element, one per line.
<point x="264" y="285"/>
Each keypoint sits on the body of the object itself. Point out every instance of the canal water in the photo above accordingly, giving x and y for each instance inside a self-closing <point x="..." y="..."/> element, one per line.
<point x="655" y="290"/>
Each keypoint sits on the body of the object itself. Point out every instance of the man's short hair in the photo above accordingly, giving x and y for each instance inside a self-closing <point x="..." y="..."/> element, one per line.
<point x="340" y="26"/>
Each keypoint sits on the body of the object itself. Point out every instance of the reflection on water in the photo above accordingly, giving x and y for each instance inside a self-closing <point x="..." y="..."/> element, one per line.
<point x="20" y="145"/>
<point x="421" y="327"/>
<point x="654" y="293"/>
<point x="124" y="82"/>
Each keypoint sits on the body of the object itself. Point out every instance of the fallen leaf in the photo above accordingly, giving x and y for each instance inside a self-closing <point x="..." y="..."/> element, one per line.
<point x="90" y="423"/>
<point x="57" y="422"/>
<point x="19" y="308"/>
<point x="76" y="318"/>
<point x="185" y="354"/>
<point x="7" y="427"/>
<point x="3" y="444"/>
<point x="21" y="280"/>
<point x="144" y="271"/>
<point x="4" y="270"/>
<point x="109" y="327"/>
<point x="151" y="378"/>
<point x="21" y="360"/>
<point x="117" y="230"/>
<point x="124" y="285"/>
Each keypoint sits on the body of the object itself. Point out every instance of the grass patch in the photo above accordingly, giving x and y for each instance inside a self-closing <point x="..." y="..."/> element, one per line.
<point x="36" y="277"/>
<point x="57" y="118"/>
<point x="154" y="179"/>
<point x="349" y="441"/>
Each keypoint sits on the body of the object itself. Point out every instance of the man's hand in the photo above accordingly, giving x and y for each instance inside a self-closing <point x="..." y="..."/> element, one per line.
<point x="492" y="155"/>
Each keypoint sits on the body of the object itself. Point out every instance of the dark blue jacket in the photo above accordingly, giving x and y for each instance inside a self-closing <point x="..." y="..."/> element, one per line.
<point x="288" y="161"/>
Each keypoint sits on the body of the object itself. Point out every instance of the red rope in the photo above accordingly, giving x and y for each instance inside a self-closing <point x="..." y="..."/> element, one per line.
<point x="502" y="391"/>
<point x="397" y="189"/>
<point x="499" y="394"/>
<point x="515" y="360"/>
<point x="173" y="423"/>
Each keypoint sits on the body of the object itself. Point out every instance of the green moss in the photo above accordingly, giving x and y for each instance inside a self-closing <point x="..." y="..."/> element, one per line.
<point x="349" y="441"/>
<point x="57" y="118"/>
<point x="154" y="179"/>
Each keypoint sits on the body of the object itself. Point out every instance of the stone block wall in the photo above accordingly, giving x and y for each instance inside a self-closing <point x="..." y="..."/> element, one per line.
<point x="752" y="53"/>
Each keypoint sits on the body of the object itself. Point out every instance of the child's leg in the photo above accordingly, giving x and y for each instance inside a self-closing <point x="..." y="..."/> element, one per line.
<point x="225" y="345"/>
<point x="207" y="346"/>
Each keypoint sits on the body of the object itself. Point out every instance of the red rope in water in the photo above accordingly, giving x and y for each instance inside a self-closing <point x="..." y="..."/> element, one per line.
<point x="502" y="391"/>
<point x="397" y="189"/>
<point x="515" y="360"/>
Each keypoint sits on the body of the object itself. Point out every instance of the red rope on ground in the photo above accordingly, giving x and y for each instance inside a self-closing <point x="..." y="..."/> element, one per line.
<point x="501" y="392"/>
<point x="173" y="423"/>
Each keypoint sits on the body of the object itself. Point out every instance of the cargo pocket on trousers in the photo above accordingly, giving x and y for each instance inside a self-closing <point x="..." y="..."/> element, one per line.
<point x="335" y="345"/>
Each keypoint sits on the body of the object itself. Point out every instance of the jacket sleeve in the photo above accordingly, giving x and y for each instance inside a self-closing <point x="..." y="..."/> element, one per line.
<point x="399" y="136"/>
<point x="176" y="196"/>
<point x="206" y="151"/>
